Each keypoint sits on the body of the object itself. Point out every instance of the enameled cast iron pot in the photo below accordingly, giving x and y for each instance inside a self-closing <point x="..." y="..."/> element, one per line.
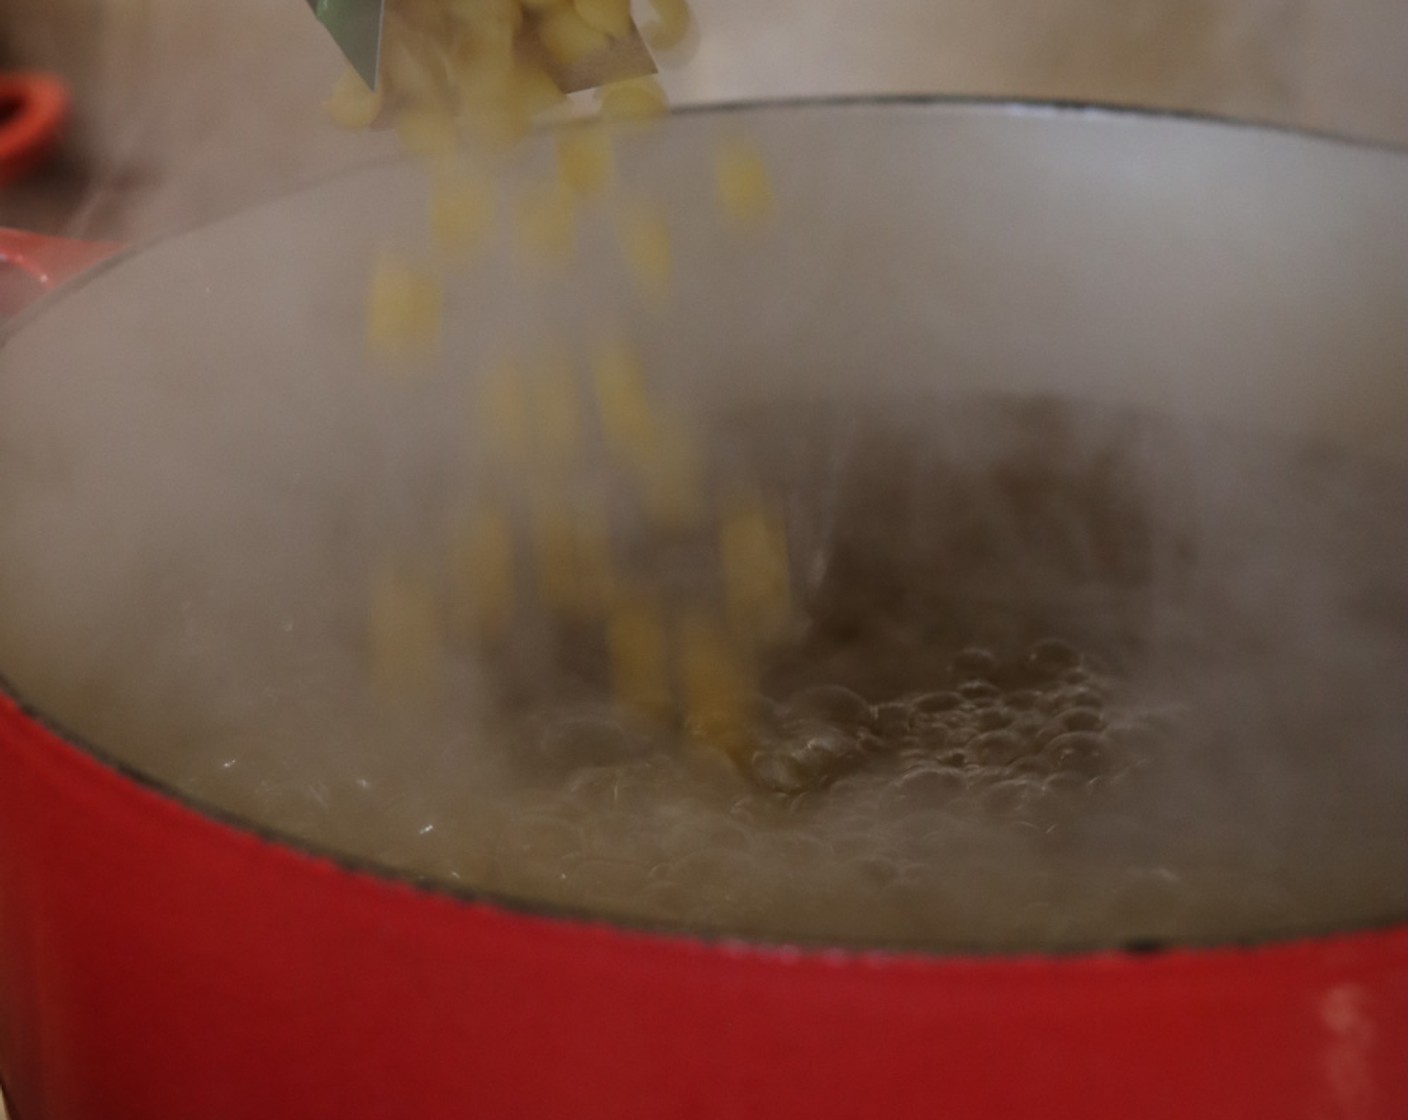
<point x="158" y="960"/>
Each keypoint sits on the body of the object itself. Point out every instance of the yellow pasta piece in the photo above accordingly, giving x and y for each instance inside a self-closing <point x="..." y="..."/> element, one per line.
<point x="714" y="681"/>
<point x="557" y="411"/>
<point x="757" y="586"/>
<point x="742" y="182"/>
<point x="610" y="17"/>
<point x="671" y="24"/>
<point x="461" y="211"/>
<point x="585" y="163"/>
<point x="428" y="133"/>
<point x="498" y="127"/>
<point x="670" y="474"/>
<point x="404" y="308"/>
<point x="482" y="64"/>
<point x="415" y="68"/>
<point x="532" y="91"/>
<point x="483" y="585"/>
<point x="573" y="558"/>
<point x="644" y="236"/>
<point x="639" y="648"/>
<point x="505" y="415"/>
<point x="568" y="37"/>
<point x="484" y="44"/>
<point x="623" y="404"/>
<point x="555" y="556"/>
<point x="352" y="103"/>
<point x="540" y="6"/>
<point x="404" y="636"/>
<point x="596" y="577"/>
<point x="470" y="14"/>
<point x="547" y="226"/>
<point x="637" y="99"/>
<point x="500" y="100"/>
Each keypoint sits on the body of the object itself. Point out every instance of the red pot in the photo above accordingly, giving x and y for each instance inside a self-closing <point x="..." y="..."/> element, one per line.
<point x="158" y="960"/>
<point x="33" y="111"/>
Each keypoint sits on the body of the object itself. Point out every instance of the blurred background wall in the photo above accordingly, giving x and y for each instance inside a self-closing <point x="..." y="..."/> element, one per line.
<point x="190" y="108"/>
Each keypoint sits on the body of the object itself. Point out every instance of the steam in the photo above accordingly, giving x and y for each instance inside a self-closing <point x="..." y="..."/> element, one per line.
<point x="186" y="549"/>
<point x="200" y="611"/>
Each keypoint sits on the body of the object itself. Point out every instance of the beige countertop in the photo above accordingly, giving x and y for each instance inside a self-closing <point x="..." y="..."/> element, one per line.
<point x="188" y="111"/>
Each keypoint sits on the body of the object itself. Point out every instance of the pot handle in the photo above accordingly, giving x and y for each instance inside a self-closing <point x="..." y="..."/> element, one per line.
<point x="33" y="264"/>
<point x="33" y="111"/>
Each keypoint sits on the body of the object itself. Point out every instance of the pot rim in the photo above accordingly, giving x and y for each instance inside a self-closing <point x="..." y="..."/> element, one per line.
<point x="817" y="948"/>
<point x="949" y="102"/>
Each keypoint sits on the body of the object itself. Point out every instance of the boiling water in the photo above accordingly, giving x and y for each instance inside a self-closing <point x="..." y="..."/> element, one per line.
<point x="1061" y="677"/>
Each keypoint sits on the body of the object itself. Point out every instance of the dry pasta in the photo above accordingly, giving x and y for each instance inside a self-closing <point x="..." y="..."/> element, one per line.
<point x="585" y="164"/>
<point x="742" y="183"/>
<point x="479" y="73"/>
<point x="638" y="643"/>
<point x="637" y="99"/>
<point x="404" y="308"/>
<point x="483" y="587"/>
<point x="547" y="222"/>
<point x="404" y="631"/>
<point x="461" y="211"/>
<point x="644" y="236"/>
<point x="714" y="682"/>
<point x="671" y="25"/>
<point x="753" y="554"/>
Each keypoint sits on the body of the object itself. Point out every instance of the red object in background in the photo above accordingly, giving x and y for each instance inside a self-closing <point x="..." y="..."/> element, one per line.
<point x="33" y="111"/>
<point x="156" y="964"/>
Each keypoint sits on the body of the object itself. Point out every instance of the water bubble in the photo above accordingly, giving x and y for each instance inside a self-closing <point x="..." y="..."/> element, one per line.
<point x="914" y="756"/>
<point x="541" y="840"/>
<point x="975" y="663"/>
<point x="929" y="785"/>
<point x="875" y="869"/>
<point x="1081" y="719"/>
<point x="933" y="702"/>
<point x="779" y="772"/>
<point x="891" y="722"/>
<point x="833" y="704"/>
<point x="1007" y="798"/>
<point x="585" y="741"/>
<point x="715" y="871"/>
<point x="1051" y="656"/>
<point x="960" y="738"/>
<point x="696" y="836"/>
<point x="797" y="846"/>
<point x="827" y="744"/>
<point x="1051" y="729"/>
<point x="978" y="691"/>
<point x="1082" y="697"/>
<point x="747" y="810"/>
<point x="991" y="719"/>
<point x="1081" y="752"/>
<point x="665" y="899"/>
<point x="1030" y="766"/>
<point x="612" y="835"/>
<point x="1027" y="724"/>
<point x="1064" y="783"/>
<point x="998" y="748"/>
